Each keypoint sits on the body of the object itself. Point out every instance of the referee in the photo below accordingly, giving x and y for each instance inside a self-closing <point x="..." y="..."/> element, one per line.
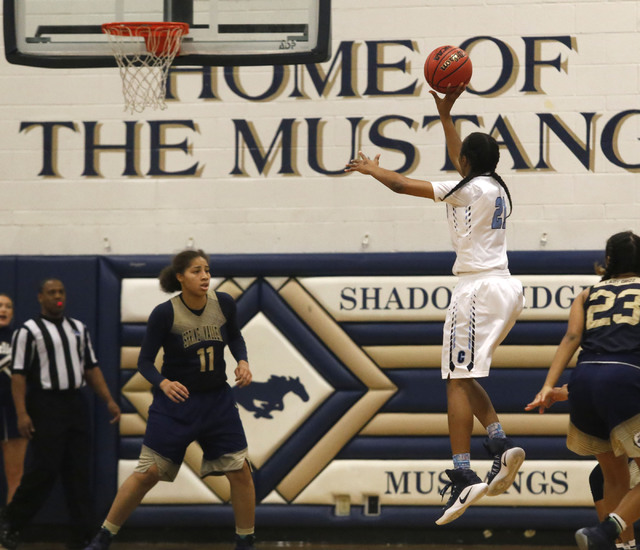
<point x="52" y="359"/>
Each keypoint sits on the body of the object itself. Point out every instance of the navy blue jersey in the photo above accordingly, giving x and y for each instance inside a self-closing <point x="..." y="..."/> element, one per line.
<point x="612" y="319"/>
<point x="193" y="342"/>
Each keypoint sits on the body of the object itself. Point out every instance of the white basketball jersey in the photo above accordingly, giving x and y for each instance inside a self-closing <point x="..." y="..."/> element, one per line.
<point x="477" y="215"/>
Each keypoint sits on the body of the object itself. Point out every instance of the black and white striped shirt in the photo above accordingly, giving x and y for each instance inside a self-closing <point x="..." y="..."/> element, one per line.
<point x="53" y="353"/>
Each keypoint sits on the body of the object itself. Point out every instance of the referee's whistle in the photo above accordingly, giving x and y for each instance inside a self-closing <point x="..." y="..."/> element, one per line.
<point x="59" y="304"/>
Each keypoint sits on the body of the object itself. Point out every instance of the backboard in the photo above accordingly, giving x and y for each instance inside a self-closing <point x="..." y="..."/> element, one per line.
<point x="67" y="33"/>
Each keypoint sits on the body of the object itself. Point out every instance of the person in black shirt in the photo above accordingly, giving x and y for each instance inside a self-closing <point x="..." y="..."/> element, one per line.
<point x="192" y="400"/>
<point x="52" y="359"/>
<point x="604" y="388"/>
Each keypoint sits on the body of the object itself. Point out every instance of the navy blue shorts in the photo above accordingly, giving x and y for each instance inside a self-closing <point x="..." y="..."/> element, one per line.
<point x="8" y="417"/>
<point x="604" y="402"/>
<point x="210" y="418"/>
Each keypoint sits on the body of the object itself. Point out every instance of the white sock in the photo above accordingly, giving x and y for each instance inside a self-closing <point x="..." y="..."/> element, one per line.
<point x="111" y="527"/>
<point x="621" y="523"/>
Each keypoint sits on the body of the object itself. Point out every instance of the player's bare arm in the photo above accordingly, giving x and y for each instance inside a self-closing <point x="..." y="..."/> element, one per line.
<point x="568" y="346"/>
<point x="393" y="180"/>
<point x="444" y="105"/>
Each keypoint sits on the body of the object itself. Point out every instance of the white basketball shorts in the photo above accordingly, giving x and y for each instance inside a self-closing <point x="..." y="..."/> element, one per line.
<point x="484" y="307"/>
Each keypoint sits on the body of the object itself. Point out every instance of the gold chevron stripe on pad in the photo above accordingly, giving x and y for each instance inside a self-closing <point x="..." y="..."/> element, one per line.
<point x="330" y="332"/>
<point x="129" y="357"/>
<point x="331" y="443"/>
<point x="380" y="388"/>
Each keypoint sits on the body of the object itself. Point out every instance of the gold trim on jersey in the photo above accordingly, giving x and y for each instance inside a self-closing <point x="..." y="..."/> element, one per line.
<point x="198" y="328"/>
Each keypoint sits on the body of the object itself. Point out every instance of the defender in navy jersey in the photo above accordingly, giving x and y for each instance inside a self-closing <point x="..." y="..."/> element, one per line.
<point x="14" y="446"/>
<point x="484" y="304"/>
<point x="604" y="388"/>
<point x="192" y="400"/>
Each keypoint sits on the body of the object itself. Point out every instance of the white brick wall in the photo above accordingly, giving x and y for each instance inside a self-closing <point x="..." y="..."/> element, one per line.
<point x="576" y="207"/>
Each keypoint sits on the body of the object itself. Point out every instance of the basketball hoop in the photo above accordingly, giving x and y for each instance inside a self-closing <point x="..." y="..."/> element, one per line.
<point x="144" y="72"/>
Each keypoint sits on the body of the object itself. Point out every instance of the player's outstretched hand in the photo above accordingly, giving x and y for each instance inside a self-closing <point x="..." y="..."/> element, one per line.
<point x="547" y="397"/>
<point x="174" y="390"/>
<point x="364" y="164"/>
<point x="444" y="104"/>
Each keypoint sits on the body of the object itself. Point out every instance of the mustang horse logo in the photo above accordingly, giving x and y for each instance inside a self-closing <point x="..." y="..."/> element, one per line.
<point x="261" y="398"/>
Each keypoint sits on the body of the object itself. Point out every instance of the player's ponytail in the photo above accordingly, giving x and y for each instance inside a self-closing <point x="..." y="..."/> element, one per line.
<point x="168" y="276"/>
<point x="483" y="153"/>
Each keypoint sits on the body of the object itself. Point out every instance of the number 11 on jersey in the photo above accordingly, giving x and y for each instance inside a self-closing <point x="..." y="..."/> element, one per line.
<point x="206" y="359"/>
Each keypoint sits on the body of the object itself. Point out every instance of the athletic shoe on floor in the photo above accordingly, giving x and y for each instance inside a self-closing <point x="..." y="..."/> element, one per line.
<point x="466" y="488"/>
<point x="594" y="538"/>
<point x="245" y="543"/>
<point x="101" y="541"/>
<point x="9" y="539"/>
<point x="507" y="459"/>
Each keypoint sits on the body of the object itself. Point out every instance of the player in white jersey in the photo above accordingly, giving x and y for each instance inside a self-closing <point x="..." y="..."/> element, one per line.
<point x="484" y="305"/>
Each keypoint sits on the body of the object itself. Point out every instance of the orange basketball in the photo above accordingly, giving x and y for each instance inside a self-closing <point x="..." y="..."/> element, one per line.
<point x="447" y="65"/>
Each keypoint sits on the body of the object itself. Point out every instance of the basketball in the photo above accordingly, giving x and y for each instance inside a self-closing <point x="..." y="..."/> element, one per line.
<point x="447" y="65"/>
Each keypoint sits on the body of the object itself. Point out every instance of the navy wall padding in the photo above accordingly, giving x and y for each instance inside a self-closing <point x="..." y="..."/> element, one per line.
<point x="248" y="304"/>
<point x="299" y="265"/>
<point x="129" y="448"/>
<point x="8" y="275"/>
<point x="126" y="407"/>
<point x="292" y="450"/>
<point x="80" y="277"/>
<point x="555" y="262"/>
<point x="93" y="287"/>
<point x="438" y="447"/>
<point x="108" y="342"/>
<point x="306" y="342"/>
<point x="524" y="262"/>
<point x="430" y="333"/>
<point x="131" y="334"/>
<point x="423" y="390"/>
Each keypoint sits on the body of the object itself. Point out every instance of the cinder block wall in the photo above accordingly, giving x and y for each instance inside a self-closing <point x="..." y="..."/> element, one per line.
<point x="252" y="162"/>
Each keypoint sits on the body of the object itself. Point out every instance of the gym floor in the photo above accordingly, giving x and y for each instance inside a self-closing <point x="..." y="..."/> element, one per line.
<point x="176" y="538"/>
<point x="297" y="546"/>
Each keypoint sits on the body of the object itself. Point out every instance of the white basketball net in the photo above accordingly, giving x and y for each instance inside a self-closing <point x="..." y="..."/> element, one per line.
<point x="144" y="73"/>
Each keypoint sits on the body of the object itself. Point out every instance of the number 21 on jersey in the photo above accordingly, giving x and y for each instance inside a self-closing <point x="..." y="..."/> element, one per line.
<point x="499" y="215"/>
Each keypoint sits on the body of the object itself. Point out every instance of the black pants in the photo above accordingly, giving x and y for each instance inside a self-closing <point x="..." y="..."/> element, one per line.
<point x="61" y="446"/>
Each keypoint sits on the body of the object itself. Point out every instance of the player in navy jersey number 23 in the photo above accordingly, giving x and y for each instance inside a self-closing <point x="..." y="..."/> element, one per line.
<point x="192" y="400"/>
<point x="604" y="387"/>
